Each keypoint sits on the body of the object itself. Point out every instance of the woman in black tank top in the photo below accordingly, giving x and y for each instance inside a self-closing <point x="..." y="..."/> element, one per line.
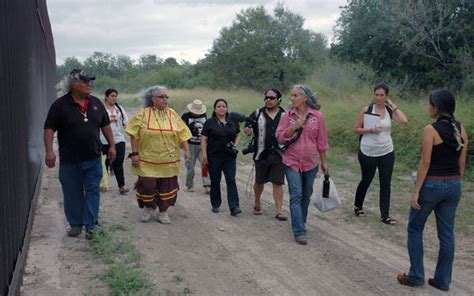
<point x="438" y="189"/>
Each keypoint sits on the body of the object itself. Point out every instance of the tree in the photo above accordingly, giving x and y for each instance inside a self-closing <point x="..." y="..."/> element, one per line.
<point x="148" y="62"/>
<point x="69" y="64"/>
<point x="260" y="50"/>
<point x="123" y="63"/>
<point x="171" y="62"/>
<point x="419" y="44"/>
<point x="101" y="64"/>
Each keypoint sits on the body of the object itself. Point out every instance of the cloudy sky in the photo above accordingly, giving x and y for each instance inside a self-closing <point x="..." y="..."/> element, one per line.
<point x="183" y="29"/>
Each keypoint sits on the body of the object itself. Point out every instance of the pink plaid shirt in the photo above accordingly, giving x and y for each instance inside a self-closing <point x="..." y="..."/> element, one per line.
<point x="303" y="155"/>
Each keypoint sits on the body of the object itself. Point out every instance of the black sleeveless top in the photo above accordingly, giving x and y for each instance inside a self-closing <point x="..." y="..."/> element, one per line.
<point x="444" y="157"/>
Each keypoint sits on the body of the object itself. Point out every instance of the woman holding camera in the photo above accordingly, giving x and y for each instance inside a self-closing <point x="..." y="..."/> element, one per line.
<point x="219" y="139"/>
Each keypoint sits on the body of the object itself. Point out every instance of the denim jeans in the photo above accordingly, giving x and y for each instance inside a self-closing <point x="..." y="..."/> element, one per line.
<point x="216" y="167"/>
<point x="80" y="184"/>
<point x="368" y="165"/>
<point x="442" y="197"/>
<point x="300" y="185"/>
<point x="196" y="154"/>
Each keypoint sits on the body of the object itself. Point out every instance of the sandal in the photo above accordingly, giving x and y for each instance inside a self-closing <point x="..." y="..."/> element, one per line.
<point x="257" y="211"/>
<point x="281" y="217"/>
<point x="389" y="221"/>
<point x="359" y="212"/>
<point x="123" y="190"/>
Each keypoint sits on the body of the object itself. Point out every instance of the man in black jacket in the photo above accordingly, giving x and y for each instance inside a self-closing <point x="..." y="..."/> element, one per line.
<point x="263" y="123"/>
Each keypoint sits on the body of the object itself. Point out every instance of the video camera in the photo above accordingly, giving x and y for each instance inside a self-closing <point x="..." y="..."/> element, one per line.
<point x="239" y="117"/>
<point x="231" y="149"/>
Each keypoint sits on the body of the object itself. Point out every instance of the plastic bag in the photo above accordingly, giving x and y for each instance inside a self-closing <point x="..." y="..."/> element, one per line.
<point x="325" y="204"/>
<point x="104" y="182"/>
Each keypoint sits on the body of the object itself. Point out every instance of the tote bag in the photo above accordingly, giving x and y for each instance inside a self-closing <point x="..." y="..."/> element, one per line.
<point x="325" y="204"/>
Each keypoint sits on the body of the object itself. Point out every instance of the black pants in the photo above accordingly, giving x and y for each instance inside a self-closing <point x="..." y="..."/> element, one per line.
<point x="228" y="166"/>
<point x="117" y="164"/>
<point x="385" y="166"/>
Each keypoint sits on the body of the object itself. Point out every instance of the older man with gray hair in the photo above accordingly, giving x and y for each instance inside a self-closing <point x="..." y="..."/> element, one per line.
<point x="78" y="117"/>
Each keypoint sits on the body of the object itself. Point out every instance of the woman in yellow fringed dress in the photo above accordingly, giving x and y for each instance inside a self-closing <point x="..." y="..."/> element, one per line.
<point x="157" y="133"/>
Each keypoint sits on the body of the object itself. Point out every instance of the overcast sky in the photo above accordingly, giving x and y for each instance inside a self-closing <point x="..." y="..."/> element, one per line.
<point x="183" y="29"/>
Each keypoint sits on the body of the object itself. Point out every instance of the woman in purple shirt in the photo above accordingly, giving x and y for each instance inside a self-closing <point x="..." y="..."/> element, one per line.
<point x="304" y="155"/>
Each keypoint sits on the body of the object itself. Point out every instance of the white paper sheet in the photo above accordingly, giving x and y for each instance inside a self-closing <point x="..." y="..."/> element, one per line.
<point x="371" y="120"/>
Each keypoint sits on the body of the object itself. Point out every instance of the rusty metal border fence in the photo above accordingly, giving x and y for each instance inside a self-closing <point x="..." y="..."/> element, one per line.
<point x="27" y="77"/>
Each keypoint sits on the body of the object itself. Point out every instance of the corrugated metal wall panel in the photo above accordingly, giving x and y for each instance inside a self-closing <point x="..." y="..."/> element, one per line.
<point x="27" y="77"/>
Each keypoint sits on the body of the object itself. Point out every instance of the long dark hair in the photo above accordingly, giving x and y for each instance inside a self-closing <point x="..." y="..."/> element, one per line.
<point x="215" y="104"/>
<point x="110" y="91"/>
<point x="444" y="101"/>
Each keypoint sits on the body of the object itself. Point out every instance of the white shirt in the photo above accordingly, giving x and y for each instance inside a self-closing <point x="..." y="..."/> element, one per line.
<point x="374" y="145"/>
<point x="116" y="124"/>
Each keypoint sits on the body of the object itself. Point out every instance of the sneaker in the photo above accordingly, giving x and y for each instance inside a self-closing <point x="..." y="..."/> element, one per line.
<point x="302" y="240"/>
<point x="163" y="218"/>
<point x="190" y="189"/>
<point x="207" y="189"/>
<point x="123" y="190"/>
<point x="74" y="231"/>
<point x="146" y="214"/>
<point x="235" y="212"/>
<point x="215" y="210"/>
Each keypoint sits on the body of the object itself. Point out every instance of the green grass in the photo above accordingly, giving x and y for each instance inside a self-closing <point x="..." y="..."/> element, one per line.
<point x="122" y="273"/>
<point x="341" y="106"/>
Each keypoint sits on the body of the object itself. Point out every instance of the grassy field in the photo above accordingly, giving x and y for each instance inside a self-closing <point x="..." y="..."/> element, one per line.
<point x="341" y="106"/>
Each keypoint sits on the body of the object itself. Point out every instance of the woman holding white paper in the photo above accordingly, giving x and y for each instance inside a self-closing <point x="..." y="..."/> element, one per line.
<point x="376" y="149"/>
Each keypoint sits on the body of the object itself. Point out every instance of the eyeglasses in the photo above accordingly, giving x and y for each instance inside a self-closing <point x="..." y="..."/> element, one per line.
<point x="269" y="98"/>
<point x="162" y="97"/>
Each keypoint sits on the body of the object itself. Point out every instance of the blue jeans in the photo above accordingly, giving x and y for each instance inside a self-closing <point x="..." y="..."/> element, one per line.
<point x="196" y="154"/>
<point x="216" y="167"/>
<point x="300" y="185"/>
<point x="80" y="184"/>
<point x="442" y="197"/>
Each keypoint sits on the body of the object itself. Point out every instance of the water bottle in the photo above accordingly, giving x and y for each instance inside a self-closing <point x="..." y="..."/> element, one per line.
<point x="326" y="186"/>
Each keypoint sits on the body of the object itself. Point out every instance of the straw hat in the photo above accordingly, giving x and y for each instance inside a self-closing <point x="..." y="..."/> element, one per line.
<point x="197" y="107"/>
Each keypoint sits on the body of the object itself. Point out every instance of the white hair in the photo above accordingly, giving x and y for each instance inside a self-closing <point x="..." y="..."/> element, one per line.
<point x="65" y="85"/>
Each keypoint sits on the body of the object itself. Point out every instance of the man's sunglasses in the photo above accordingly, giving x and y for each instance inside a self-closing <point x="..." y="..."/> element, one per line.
<point x="269" y="98"/>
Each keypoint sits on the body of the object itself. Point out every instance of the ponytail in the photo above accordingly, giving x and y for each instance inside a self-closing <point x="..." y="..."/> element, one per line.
<point x="121" y="113"/>
<point x="457" y="133"/>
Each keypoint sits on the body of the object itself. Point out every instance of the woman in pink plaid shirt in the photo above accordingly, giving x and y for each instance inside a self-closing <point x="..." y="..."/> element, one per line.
<point x="303" y="156"/>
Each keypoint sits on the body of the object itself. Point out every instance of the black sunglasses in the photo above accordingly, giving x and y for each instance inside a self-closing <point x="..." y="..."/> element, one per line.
<point x="269" y="98"/>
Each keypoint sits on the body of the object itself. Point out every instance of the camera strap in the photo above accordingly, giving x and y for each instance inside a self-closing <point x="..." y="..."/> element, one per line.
<point x="299" y="131"/>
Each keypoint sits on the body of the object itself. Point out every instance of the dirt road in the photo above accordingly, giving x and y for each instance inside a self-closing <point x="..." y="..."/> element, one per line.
<point x="216" y="254"/>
